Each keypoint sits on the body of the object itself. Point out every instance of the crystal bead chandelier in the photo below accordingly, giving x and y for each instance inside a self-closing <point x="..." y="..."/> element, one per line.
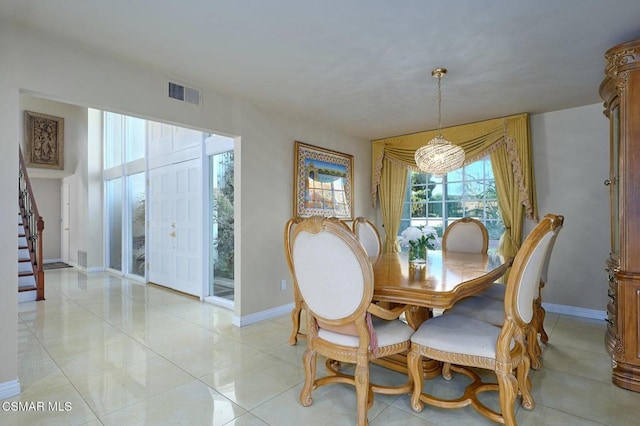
<point x="439" y="156"/>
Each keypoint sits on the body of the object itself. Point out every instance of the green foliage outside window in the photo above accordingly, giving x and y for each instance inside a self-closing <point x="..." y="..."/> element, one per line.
<point x="223" y="218"/>
<point x="468" y="192"/>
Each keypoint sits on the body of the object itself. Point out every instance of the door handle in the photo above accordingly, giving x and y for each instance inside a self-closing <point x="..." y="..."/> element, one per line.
<point x="173" y="234"/>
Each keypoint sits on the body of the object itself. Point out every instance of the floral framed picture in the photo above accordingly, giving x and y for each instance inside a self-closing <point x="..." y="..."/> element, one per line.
<point x="44" y="140"/>
<point x="323" y="182"/>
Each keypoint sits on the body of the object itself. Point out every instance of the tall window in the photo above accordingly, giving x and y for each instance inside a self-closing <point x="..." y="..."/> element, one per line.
<point x="221" y="279"/>
<point x="114" y="222"/>
<point x="136" y="232"/>
<point x="439" y="200"/>
<point x="124" y="167"/>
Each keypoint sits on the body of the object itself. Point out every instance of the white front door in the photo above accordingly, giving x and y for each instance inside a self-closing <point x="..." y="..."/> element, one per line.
<point x="175" y="227"/>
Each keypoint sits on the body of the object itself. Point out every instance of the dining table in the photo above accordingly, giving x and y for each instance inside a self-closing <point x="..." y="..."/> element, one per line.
<point x="433" y="286"/>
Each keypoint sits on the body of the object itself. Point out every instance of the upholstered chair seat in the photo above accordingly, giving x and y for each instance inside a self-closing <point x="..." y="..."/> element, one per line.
<point x="481" y="308"/>
<point x="459" y="335"/>
<point x="496" y="291"/>
<point x="388" y="333"/>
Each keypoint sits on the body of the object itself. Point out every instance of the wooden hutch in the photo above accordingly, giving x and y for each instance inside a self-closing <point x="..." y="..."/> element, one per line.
<point x="620" y="91"/>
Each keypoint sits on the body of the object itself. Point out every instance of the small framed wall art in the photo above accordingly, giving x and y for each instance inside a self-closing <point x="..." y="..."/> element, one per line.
<point x="44" y="140"/>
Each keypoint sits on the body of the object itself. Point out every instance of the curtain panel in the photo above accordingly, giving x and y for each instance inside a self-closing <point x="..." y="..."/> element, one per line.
<point x="508" y="142"/>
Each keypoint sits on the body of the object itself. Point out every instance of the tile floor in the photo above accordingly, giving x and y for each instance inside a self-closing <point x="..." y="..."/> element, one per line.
<point x="115" y="352"/>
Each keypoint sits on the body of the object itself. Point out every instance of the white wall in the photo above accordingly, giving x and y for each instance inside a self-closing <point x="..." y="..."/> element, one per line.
<point x="9" y="121"/>
<point x="571" y="161"/>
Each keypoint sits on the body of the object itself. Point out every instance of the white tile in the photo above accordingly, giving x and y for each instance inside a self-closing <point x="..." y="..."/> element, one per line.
<point x="587" y="398"/>
<point x="192" y="403"/>
<point x="254" y="381"/>
<point x="119" y="388"/>
<point x="332" y="405"/>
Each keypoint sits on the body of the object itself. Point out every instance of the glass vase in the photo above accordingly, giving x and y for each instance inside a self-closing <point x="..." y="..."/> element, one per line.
<point x="418" y="254"/>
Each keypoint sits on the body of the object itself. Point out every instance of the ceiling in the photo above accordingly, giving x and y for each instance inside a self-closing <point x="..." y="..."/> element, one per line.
<point x="362" y="67"/>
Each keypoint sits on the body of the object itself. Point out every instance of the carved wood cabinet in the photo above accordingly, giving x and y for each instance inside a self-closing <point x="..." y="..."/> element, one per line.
<point x="620" y="91"/>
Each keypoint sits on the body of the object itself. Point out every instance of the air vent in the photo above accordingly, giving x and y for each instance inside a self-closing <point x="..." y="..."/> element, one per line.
<point x="183" y="93"/>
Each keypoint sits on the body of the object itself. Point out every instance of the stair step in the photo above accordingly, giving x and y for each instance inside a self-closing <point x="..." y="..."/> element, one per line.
<point x="25" y="268"/>
<point x="27" y="290"/>
<point x="27" y="295"/>
<point x="26" y="281"/>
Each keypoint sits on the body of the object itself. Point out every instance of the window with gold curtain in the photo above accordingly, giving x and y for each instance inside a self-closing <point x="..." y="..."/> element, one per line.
<point x="506" y="140"/>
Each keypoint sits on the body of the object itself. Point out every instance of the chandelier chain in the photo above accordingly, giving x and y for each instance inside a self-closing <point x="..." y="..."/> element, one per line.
<point x="439" y="106"/>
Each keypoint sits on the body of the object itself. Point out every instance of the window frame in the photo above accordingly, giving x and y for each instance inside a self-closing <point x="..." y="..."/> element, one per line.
<point x="437" y="210"/>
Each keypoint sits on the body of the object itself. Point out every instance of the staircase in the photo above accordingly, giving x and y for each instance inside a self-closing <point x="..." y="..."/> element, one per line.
<point x="30" y="227"/>
<point x="26" y="277"/>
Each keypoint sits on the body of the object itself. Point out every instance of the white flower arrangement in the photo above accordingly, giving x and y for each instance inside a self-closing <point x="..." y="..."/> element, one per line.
<point x="419" y="236"/>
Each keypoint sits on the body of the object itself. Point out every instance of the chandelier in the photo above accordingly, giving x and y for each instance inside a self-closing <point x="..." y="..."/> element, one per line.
<point x="439" y="156"/>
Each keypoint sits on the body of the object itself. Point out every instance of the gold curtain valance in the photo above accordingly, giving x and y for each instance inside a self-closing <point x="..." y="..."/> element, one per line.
<point x="477" y="139"/>
<point x="506" y="140"/>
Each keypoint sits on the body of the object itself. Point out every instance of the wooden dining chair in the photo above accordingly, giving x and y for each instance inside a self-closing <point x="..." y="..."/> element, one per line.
<point x="468" y="342"/>
<point x="340" y="222"/>
<point x="368" y="235"/>
<point x="298" y="304"/>
<point x="466" y="235"/>
<point x="489" y="307"/>
<point x="335" y="279"/>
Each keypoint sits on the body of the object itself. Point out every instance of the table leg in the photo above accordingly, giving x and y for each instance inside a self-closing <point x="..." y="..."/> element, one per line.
<point x="416" y="315"/>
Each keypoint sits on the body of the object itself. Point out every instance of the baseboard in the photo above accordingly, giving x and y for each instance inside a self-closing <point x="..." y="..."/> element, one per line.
<point x="261" y="316"/>
<point x="576" y="312"/>
<point x="286" y="309"/>
<point x="51" y="260"/>
<point x="75" y="265"/>
<point x="85" y="269"/>
<point x="9" y="389"/>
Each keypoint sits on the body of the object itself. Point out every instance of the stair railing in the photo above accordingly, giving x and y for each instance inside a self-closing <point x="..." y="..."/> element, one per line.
<point x="34" y="225"/>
